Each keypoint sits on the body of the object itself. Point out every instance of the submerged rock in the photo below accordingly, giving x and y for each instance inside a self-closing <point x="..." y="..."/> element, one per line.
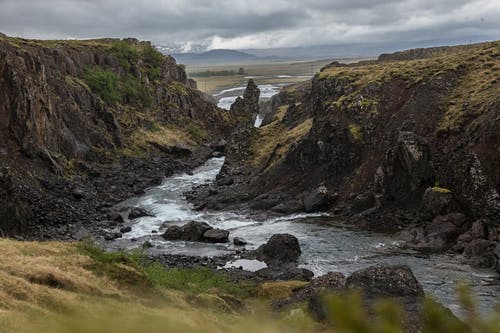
<point x="216" y="236"/>
<point x="239" y="241"/>
<point x="125" y="230"/>
<point x="138" y="212"/>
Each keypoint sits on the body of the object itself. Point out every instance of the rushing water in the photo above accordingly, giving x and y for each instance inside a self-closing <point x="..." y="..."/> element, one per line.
<point x="327" y="244"/>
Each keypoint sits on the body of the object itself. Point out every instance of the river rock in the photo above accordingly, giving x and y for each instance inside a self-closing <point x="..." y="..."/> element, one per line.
<point x="287" y="272"/>
<point x="375" y="283"/>
<point x="438" y="236"/>
<point x="138" y="212"/>
<point x="125" y="230"/>
<point x="109" y="236"/>
<point x="280" y="248"/>
<point x="481" y="253"/>
<point x="115" y="217"/>
<point x="216" y="236"/>
<point x="386" y="281"/>
<point x="192" y="232"/>
<point x="316" y="200"/>
<point x="239" y="241"/>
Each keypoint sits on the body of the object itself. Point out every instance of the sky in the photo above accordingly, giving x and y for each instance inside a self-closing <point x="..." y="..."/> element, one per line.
<point x="243" y="24"/>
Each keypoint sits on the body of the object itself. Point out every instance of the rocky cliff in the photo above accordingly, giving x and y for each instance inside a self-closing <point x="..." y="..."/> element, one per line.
<point x="391" y="145"/>
<point x="86" y="121"/>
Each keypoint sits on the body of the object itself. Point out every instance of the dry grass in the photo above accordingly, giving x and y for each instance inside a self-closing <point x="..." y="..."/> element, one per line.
<point x="476" y="67"/>
<point x="55" y="287"/>
<point x="276" y="290"/>
<point x="274" y="140"/>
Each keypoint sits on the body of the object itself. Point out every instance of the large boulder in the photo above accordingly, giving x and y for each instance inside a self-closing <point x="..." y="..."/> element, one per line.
<point x="330" y="282"/>
<point x="192" y="232"/>
<point x="385" y="281"/>
<point x="438" y="201"/>
<point x="196" y="232"/>
<point x="216" y="236"/>
<point x="280" y="248"/>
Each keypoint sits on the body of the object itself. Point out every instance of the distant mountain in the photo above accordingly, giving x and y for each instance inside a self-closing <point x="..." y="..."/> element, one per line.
<point x="215" y="57"/>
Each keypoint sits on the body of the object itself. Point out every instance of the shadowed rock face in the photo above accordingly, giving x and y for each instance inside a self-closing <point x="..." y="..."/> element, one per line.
<point x="61" y="128"/>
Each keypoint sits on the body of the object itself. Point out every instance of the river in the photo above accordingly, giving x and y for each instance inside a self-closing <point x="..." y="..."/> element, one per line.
<point x="327" y="243"/>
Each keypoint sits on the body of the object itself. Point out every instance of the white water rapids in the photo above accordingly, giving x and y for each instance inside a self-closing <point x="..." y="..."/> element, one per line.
<point x="327" y="244"/>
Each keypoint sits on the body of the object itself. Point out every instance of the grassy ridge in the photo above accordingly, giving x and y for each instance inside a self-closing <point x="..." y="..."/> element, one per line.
<point x="61" y="287"/>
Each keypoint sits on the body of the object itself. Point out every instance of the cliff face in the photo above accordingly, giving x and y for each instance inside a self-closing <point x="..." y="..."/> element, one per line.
<point x="68" y="108"/>
<point x="392" y="145"/>
<point x="70" y="97"/>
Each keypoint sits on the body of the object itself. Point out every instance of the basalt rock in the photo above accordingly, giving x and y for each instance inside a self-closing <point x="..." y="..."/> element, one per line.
<point x="238" y="241"/>
<point x="438" y="201"/>
<point x="280" y="248"/>
<point x="216" y="236"/>
<point x="437" y="236"/>
<point x="375" y="283"/>
<point x="197" y="232"/>
<point x="138" y="212"/>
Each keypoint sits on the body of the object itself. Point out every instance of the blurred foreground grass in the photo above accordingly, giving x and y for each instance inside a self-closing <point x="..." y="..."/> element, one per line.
<point x="62" y="287"/>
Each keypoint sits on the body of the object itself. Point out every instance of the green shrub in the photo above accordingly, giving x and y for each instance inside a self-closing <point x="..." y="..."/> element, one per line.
<point x="151" y="56"/>
<point x="103" y="83"/>
<point x="113" y="89"/>
<point x="125" y="53"/>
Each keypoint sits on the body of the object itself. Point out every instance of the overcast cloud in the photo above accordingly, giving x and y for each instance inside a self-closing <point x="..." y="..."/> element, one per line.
<point x="242" y="24"/>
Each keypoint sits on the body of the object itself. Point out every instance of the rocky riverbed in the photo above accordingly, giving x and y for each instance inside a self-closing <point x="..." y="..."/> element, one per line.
<point x="327" y="243"/>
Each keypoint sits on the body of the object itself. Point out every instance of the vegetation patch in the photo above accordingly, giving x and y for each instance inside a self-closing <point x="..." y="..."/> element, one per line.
<point x="440" y="189"/>
<point x="274" y="141"/>
<point x="356" y="132"/>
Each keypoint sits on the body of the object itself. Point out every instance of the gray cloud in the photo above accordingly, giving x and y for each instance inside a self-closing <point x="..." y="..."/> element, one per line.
<point x="255" y="24"/>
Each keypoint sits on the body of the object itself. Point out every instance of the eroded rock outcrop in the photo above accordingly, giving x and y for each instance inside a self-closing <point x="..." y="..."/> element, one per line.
<point x="84" y="124"/>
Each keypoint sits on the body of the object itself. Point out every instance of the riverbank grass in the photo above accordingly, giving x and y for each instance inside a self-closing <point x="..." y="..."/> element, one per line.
<point x="79" y="288"/>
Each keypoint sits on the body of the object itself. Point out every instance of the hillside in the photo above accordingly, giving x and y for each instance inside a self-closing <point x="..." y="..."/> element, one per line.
<point x="84" y="124"/>
<point x="215" y="57"/>
<point x="391" y="145"/>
